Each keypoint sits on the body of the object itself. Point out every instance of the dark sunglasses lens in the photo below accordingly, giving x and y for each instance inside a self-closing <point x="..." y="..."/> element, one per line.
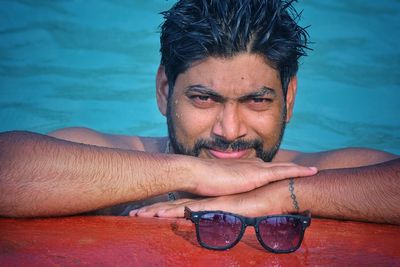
<point x="219" y="230"/>
<point x="281" y="233"/>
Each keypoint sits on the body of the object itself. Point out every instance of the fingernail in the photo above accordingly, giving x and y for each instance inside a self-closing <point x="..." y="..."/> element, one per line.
<point x="314" y="168"/>
<point x="160" y="213"/>
<point x="133" y="212"/>
<point x="140" y="211"/>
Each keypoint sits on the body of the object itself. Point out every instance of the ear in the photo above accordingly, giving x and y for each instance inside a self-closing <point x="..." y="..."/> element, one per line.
<point x="162" y="90"/>
<point x="290" y="97"/>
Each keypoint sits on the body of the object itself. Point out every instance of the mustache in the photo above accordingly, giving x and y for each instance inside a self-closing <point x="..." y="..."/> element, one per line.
<point x="222" y="144"/>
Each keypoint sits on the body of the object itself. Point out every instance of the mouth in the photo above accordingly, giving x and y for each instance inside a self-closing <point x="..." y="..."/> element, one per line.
<point x="237" y="154"/>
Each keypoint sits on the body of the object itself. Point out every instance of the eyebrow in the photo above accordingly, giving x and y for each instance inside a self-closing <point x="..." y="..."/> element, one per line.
<point x="198" y="88"/>
<point x="259" y="93"/>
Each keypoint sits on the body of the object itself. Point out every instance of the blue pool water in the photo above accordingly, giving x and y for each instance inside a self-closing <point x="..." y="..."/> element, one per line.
<point x="92" y="63"/>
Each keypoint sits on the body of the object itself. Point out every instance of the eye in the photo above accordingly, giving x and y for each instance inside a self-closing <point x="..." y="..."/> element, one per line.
<point x="202" y="101"/>
<point x="259" y="103"/>
<point x="260" y="100"/>
<point x="201" y="97"/>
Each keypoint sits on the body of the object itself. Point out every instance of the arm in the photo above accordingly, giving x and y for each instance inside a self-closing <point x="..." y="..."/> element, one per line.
<point x="46" y="176"/>
<point x="354" y="183"/>
<point x="367" y="193"/>
<point x="364" y="193"/>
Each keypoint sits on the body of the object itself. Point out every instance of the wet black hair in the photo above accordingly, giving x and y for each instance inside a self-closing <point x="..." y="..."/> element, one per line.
<point x="196" y="29"/>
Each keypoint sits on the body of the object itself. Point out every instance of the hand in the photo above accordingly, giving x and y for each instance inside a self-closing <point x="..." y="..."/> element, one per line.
<point x="269" y="199"/>
<point x="226" y="177"/>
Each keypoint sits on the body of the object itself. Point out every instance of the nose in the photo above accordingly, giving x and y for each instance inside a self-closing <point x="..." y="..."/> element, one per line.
<point x="229" y="123"/>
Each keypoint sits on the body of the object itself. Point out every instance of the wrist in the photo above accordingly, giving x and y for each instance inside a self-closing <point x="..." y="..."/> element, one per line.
<point x="204" y="177"/>
<point x="180" y="173"/>
<point x="293" y="195"/>
<point x="277" y="198"/>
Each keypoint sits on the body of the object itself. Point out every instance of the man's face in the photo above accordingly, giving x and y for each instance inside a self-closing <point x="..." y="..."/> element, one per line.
<point x="227" y="108"/>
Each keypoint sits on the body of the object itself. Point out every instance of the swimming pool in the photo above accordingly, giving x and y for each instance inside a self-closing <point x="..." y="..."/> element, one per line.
<point x="92" y="63"/>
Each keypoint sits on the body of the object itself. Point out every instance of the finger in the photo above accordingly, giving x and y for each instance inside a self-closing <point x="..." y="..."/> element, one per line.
<point x="283" y="172"/>
<point x="156" y="205"/>
<point x="147" y="210"/>
<point x="192" y="204"/>
<point x="133" y="212"/>
<point x="145" y="213"/>
<point x="289" y="164"/>
<point x="227" y="203"/>
<point x="179" y="209"/>
<point x="276" y="164"/>
<point x="273" y="164"/>
<point x="150" y="212"/>
<point x="174" y="212"/>
<point x="155" y="209"/>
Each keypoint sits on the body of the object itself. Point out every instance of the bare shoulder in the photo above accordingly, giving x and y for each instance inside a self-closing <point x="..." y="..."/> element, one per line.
<point x="92" y="137"/>
<point x="338" y="158"/>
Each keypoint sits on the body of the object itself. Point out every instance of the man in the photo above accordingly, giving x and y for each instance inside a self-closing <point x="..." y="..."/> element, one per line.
<point x="227" y="85"/>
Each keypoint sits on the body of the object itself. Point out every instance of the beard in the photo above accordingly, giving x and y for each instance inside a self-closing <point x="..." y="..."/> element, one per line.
<point x="221" y="144"/>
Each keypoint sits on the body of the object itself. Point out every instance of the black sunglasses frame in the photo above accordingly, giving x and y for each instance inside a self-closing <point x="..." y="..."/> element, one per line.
<point x="195" y="216"/>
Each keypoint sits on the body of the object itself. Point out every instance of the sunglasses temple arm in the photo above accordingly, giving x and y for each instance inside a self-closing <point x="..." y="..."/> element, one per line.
<point x="307" y="222"/>
<point x="187" y="214"/>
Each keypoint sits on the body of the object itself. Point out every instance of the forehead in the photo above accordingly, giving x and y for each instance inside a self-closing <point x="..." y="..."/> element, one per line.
<point x="231" y="76"/>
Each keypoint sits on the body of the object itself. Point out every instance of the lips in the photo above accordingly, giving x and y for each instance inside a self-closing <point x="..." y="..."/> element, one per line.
<point x="229" y="154"/>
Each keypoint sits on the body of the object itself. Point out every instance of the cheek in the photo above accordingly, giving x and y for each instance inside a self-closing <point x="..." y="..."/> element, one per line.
<point x="266" y="125"/>
<point x="190" y="123"/>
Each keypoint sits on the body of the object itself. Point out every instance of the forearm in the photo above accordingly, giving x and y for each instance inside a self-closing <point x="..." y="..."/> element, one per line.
<point x="44" y="176"/>
<point x="369" y="193"/>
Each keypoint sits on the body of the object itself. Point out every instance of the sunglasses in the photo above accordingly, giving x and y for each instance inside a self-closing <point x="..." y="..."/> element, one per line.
<point x="219" y="230"/>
